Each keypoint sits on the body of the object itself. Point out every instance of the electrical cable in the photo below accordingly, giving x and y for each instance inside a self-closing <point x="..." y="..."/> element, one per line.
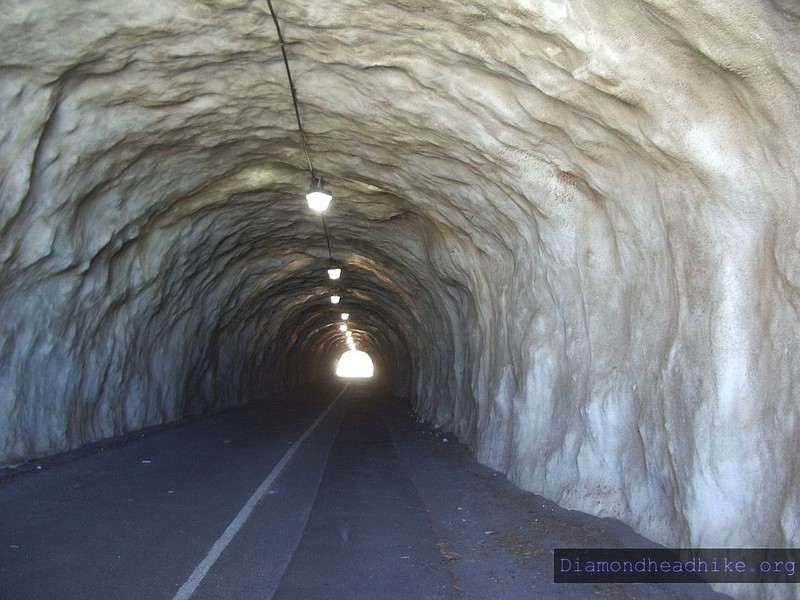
<point x="327" y="239"/>
<point x="303" y="139"/>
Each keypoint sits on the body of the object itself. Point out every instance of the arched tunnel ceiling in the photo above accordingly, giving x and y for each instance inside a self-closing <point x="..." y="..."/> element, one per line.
<point x="569" y="229"/>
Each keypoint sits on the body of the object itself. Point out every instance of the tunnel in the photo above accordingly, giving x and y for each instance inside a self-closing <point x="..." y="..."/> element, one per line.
<point x="568" y="234"/>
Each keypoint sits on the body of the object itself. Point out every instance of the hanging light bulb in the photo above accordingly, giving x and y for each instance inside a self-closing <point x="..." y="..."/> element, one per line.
<point x="348" y="334"/>
<point x="318" y="199"/>
<point x="342" y="327"/>
<point x="345" y="316"/>
<point x="335" y="299"/>
<point x="334" y="273"/>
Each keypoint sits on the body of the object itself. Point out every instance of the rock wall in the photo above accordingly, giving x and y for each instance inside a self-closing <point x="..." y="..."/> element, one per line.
<point x="569" y="233"/>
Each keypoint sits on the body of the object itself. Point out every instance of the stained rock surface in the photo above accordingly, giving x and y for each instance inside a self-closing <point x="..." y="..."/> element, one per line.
<point x="569" y="233"/>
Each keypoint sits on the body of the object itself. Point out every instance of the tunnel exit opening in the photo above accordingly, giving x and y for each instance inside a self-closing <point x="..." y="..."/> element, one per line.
<point x="355" y="364"/>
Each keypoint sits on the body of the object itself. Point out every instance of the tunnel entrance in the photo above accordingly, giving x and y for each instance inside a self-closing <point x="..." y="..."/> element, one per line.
<point x="355" y="364"/>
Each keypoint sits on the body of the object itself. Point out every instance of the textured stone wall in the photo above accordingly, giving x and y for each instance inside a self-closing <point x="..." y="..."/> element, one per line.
<point x="569" y="233"/>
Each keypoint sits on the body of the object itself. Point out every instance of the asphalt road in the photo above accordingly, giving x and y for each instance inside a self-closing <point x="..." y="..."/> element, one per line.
<point x="328" y="494"/>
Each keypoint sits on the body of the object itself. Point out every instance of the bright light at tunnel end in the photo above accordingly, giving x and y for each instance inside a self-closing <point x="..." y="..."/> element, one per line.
<point x="355" y="364"/>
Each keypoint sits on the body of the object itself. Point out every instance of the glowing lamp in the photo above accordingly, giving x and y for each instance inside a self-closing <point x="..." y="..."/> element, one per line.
<point x="318" y="199"/>
<point x="334" y="273"/>
<point x="335" y="299"/>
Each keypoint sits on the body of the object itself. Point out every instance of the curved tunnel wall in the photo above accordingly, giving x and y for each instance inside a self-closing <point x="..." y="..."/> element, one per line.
<point x="571" y="227"/>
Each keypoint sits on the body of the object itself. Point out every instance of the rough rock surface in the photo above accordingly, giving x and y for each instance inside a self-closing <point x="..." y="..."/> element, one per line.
<point x="569" y="233"/>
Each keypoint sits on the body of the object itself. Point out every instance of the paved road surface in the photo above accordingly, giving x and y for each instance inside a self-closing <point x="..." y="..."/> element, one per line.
<point x="280" y="502"/>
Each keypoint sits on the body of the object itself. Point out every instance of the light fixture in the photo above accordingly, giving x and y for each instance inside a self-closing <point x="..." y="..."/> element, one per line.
<point x="345" y="316"/>
<point x="342" y="327"/>
<point x="335" y="299"/>
<point x="334" y="272"/>
<point x="318" y="199"/>
<point x="348" y="334"/>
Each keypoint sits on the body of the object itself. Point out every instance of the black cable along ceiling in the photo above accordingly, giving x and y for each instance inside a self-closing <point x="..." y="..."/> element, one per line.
<point x="318" y="198"/>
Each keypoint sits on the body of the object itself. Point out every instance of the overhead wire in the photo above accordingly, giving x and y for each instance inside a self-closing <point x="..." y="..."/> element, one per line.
<point x="300" y="128"/>
<point x="292" y="89"/>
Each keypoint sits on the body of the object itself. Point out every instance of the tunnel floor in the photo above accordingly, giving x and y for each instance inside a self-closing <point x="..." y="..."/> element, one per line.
<point x="371" y="504"/>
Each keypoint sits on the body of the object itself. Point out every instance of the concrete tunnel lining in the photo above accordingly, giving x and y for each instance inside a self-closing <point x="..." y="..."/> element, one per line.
<point x="573" y="226"/>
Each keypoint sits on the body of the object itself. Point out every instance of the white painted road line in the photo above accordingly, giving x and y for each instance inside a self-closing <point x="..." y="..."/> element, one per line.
<point x="188" y="588"/>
